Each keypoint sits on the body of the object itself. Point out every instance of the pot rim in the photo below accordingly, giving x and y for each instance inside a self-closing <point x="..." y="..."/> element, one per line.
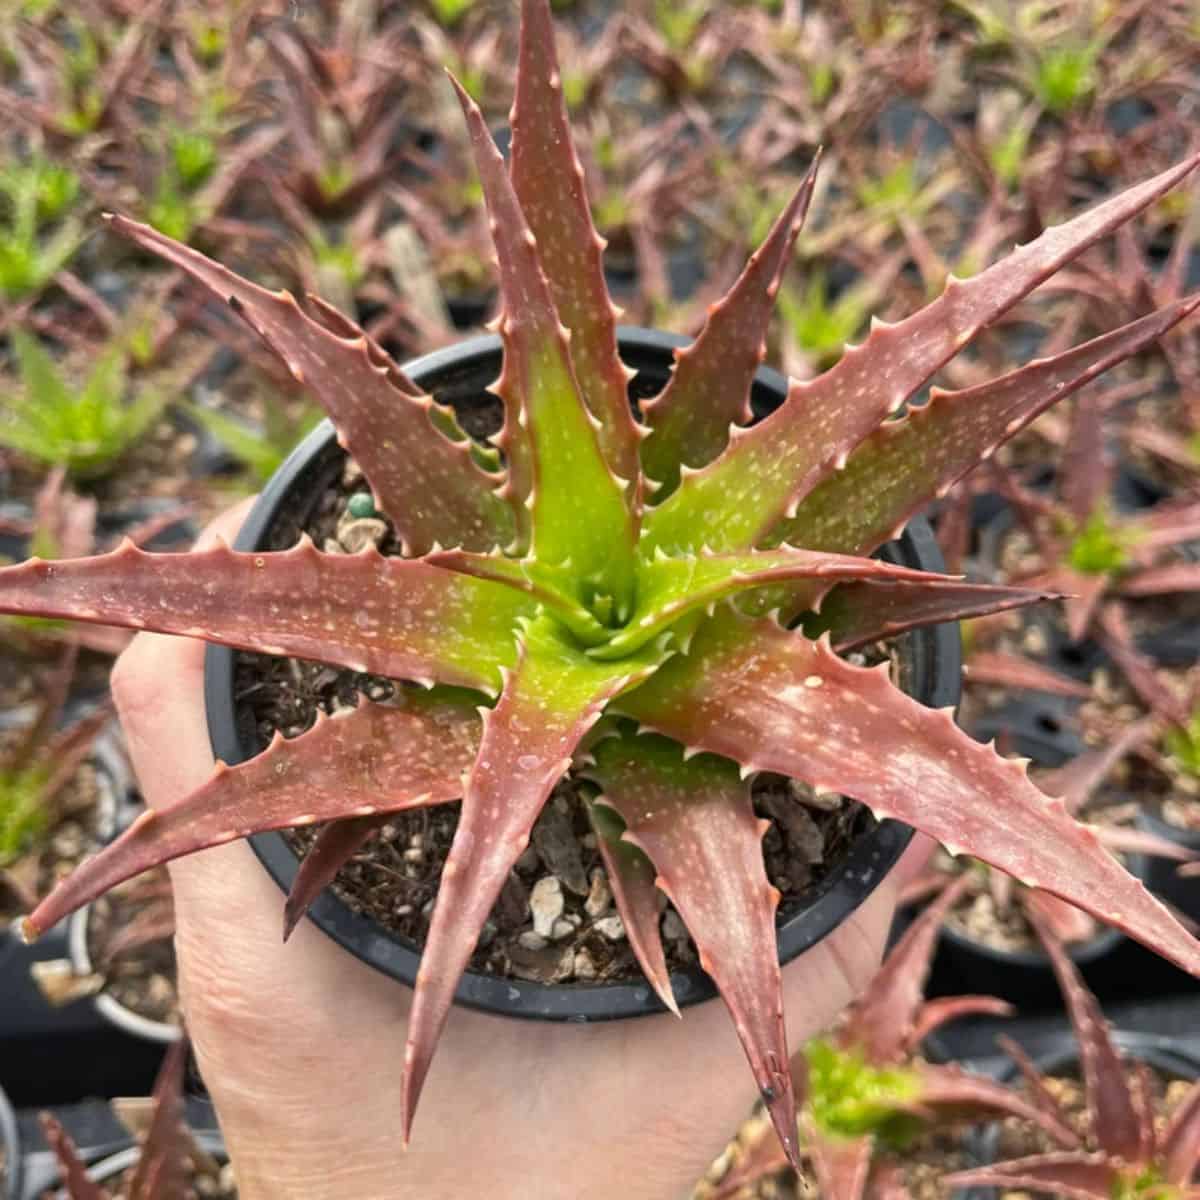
<point x="936" y="675"/>
<point x="10" y="1139"/>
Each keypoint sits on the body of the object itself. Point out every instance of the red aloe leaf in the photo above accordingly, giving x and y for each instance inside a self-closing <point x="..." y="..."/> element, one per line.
<point x="1077" y="780"/>
<point x="670" y="587"/>
<point x="366" y="760"/>
<point x="68" y="748"/>
<point x="1114" y="636"/>
<point x="965" y="1096"/>
<point x="75" y="1176"/>
<point x="1072" y="1176"/>
<point x="549" y="182"/>
<point x="551" y="698"/>
<point x="631" y="875"/>
<point x="1039" y="1093"/>
<point x="575" y="503"/>
<point x="1137" y="841"/>
<point x="1085" y="594"/>
<point x="841" y="1165"/>
<point x="54" y="687"/>
<point x="1161" y="581"/>
<point x="694" y="820"/>
<point x="709" y="389"/>
<point x="775" y="701"/>
<point x="769" y="467"/>
<point x="936" y="1013"/>
<point x="1113" y="1115"/>
<point x="389" y="616"/>
<point x="1065" y="921"/>
<point x="903" y="464"/>
<point x="856" y="614"/>
<point x="64" y="522"/>
<point x="759" y="1160"/>
<point x="161" y="1170"/>
<point x="1181" y="1139"/>
<point x="881" y="1022"/>
<point x="434" y="492"/>
<point x="335" y="846"/>
<point x="1086" y="466"/>
<point x="995" y="668"/>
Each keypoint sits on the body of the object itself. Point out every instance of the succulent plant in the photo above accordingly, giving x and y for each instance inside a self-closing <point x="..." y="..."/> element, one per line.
<point x="1133" y="1154"/>
<point x="869" y="1090"/>
<point x="594" y="574"/>
<point x="168" y="1151"/>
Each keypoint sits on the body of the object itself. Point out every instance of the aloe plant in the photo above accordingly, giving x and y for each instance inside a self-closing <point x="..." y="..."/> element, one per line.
<point x="33" y="197"/>
<point x="85" y="427"/>
<point x="167" y="1153"/>
<point x="1128" y="1153"/>
<point x="870" y="1091"/>
<point x="576" y="583"/>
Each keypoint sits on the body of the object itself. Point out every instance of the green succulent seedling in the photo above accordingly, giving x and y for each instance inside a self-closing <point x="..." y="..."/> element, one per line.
<point x="260" y="450"/>
<point x="1101" y="546"/>
<point x="614" y="566"/>
<point x="33" y="196"/>
<point x="850" y="1097"/>
<point x="23" y="816"/>
<point x="821" y="326"/>
<point x="449" y="13"/>
<point x="1063" y="76"/>
<point x="1182" y="744"/>
<point x="84" y="425"/>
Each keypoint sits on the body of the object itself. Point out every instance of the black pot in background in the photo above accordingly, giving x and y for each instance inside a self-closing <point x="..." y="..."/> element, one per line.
<point x="1163" y="878"/>
<point x="10" y="1147"/>
<point x="1164" y="1054"/>
<point x="457" y="375"/>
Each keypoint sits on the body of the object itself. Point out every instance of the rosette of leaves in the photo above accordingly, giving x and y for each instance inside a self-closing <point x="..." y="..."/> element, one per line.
<point x="869" y="1090"/>
<point x="593" y="574"/>
<point x="1128" y="1153"/>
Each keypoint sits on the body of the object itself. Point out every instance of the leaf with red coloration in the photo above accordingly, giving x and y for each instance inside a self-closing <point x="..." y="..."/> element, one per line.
<point x="936" y="1013"/>
<point x="362" y="761"/>
<point x="1113" y="634"/>
<point x="964" y="1096"/>
<point x="335" y="846"/>
<point x="709" y="388"/>
<point x="769" y="468"/>
<point x="389" y="616"/>
<point x="1066" y="922"/>
<point x="78" y="1184"/>
<point x="996" y="668"/>
<point x="777" y="701"/>
<point x="1113" y="1116"/>
<point x="1085" y="470"/>
<point x="631" y="877"/>
<point x="856" y="614"/>
<point x="1075" y="781"/>
<point x="1071" y="1176"/>
<point x="576" y="505"/>
<point x="840" y="1164"/>
<point x="1162" y="581"/>
<point x="904" y="463"/>
<point x="549" y="182"/>
<point x="1181" y="1139"/>
<point x="1035" y="1083"/>
<point x="881" y="1022"/>
<point x="693" y="818"/>
<point x="433" y="491"/>
<point x="669" y="588"/>
<point x="162" y="1167"/>
<point x="551" y="698"/>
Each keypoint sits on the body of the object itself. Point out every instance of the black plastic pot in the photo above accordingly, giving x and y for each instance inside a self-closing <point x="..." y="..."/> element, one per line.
<point x="1163" y="877"/>
<point x="457" y="375"/>
<point x="10" y="1147"/>
<point x="1162" y="1053"/>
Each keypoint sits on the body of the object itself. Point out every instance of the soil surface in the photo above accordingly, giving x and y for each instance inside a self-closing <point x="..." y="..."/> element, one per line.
<point x="209" y="1180"/>
<point x="130" y="943"/>
<point x="395" y="878"/>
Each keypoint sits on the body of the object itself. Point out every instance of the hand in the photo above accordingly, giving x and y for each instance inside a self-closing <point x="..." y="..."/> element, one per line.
<point x="302" y="1046"/>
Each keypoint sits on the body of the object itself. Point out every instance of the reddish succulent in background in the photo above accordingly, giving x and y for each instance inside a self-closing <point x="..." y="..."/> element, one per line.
<point x="167" y="1151"/>
<point x="581" y="583"/>
<point x="1133" y="1154"/>
<point x="869" y="1091"/>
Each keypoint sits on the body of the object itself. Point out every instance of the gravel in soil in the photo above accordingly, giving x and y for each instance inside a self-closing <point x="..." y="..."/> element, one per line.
<point x="554" y="921"/>
<point x="208" y="1180"/>
<point x="131" y="945"/>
